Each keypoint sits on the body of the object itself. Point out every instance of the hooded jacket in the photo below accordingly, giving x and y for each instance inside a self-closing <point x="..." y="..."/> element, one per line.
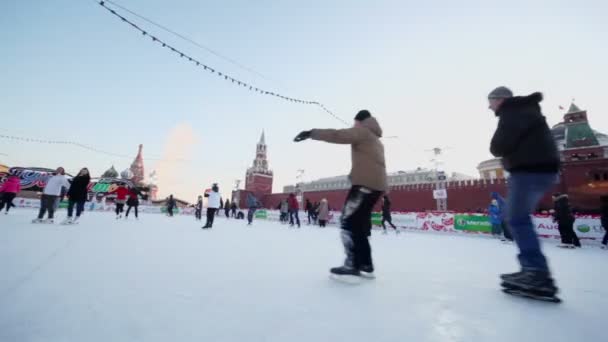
<point x="252" y="202"/>
<point x="367" y="152"/>
<point x="323" y="211"/>
<point x="12" y="185"/>
<point x="79" y="188"/>
<point x="293" y="202"/>
<point x="523" y="139"/>
<point x="495" y="214"/>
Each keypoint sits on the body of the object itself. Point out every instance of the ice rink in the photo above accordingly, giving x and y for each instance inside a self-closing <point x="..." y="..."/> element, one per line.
<point x="165" y="279"/>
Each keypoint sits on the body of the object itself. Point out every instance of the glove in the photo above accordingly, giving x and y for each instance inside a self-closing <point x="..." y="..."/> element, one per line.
<point x="302" y="136"/>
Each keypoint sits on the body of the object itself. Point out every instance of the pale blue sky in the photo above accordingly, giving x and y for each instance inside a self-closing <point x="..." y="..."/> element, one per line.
<point x="71" y="71"/>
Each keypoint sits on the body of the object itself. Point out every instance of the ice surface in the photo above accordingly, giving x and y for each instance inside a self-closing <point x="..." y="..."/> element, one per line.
<point x="165" y="279"/>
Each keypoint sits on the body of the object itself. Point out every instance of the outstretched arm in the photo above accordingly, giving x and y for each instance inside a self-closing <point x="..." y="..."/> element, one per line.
<point x="338" y="136"/>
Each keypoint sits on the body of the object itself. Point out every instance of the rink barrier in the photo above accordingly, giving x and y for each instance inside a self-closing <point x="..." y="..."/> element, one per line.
<point x="587" y="227"/>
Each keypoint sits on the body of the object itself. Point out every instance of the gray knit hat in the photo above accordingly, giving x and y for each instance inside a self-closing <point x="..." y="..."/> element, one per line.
<point x="500" y="93"/>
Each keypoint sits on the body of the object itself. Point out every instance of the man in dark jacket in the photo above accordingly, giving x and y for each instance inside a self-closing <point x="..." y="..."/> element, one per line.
<point x="309" y="211"/>
<point x="77" y="195"/>
<point x="386" y="214"/>
<point x="524" y="142"/>
<point x="565" y="221"/>
<point x="368" y="178"/>
<point x="253" y="204"/>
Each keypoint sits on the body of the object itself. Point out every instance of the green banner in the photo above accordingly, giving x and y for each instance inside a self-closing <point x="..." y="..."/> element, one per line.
<point x="472" y="223"/>
<point x="63" y="204"/>
<point x="376" y="219"/>
<point x="261" y="214"/>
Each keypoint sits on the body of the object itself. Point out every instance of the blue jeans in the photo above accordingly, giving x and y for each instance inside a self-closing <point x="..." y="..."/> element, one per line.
<point x="525" y="191"/>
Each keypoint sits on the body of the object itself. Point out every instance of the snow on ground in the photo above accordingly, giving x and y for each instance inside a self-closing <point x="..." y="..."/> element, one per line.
<point x="165" y="279"/>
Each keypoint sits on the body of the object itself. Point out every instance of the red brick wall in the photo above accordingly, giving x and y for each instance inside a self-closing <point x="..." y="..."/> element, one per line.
<point x="576" y="180"/>
<point x="461" y="197"/>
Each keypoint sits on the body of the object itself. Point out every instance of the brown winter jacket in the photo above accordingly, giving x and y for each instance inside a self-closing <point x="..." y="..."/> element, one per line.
<point x="367" y="152"/>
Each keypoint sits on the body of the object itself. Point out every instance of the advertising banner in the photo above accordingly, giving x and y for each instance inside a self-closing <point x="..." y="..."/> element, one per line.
<point x="472" y="223"/>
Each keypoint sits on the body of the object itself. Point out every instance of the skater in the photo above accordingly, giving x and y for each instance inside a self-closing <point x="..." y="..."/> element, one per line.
<point x="253" y="205"/>
<point x="198" y="209"/>
<point x="386" y="214"/>
<point x="213" y="203"/>
<point x="171" y="204"/>
<point x="507" y="236"/>
<point x="133" y="202"/>
<point x="284" y="209"/>
<point x="77" y="195"/>
<point x="308" y="208"/>
<point x="315" y="212"/>
<point x="368" y="178"/>
<point x="565" y="221"/>
<point x="120" y="200"/>
<point x="50" y="195"/>
<point x="219" y="211"/>
<point x="227" y="208"/>
<point x="294" y="208"/>
<point x="323" y="215"/>
<point x="604" y="212"/>
<point x="524" y="142"/>
<point x="8" y="191"/>
<point x="233" y="208"/>
<point x="495" y="218"/>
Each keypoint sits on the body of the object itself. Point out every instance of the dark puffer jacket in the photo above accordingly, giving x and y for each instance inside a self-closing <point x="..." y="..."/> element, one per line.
<point x="563" y="211"/>
<point x="79" y="188"/>
<point x="523" y="138"/>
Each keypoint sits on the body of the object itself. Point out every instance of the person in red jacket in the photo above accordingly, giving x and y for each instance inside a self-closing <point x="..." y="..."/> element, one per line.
<point x="121" y="197"/>
<point x="8" y="192"/>
<point x="294" y="208"/>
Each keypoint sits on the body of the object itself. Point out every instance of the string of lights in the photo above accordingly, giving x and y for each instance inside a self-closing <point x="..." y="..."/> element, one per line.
<point x="214" y="71"/>
<point x="76" y="144"/>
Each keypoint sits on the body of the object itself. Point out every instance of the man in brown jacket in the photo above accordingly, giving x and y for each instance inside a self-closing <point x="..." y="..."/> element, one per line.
<point x="368" y="178"/>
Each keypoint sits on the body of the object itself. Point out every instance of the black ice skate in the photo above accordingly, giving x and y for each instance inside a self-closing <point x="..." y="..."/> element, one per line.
<point x="531" y="284"/>
<point x="345" y="274"/>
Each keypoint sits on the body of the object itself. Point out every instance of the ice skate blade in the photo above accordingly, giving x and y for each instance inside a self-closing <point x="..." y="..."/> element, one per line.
<point x="525" y="294"/>
<point x="346" y="279"/>
<point x="368" y="275"/>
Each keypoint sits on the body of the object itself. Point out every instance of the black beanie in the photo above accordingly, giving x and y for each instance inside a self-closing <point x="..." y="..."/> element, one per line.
<point x="362" y="115"/>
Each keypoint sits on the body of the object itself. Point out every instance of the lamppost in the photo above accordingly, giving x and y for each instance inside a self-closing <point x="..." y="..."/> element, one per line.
<point x="300" y="190"/>
<point x="440" y="193"/>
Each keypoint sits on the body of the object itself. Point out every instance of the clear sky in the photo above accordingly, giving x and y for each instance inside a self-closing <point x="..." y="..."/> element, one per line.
<point x="72" y="71"/>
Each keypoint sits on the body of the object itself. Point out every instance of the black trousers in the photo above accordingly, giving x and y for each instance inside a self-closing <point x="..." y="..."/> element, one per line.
<point x="605" y="239"/>
<point x="227" y="212"/>
<point x="7" y="199"/>
<point x="250" y="214"/>
<point x="389" y="219"/>
<point x="566" y="231"/>
<point x="322" y="223"/>
<point x="506" y="230"/>
<point x="120" y="207"/>
<point x="356" y="224"/>
<point x="129" y="210"/>
<point x="79" y="207"/>
<point x="198" y="213"/>
<point x="47" y="203"/>
<point x="210" y="217"/>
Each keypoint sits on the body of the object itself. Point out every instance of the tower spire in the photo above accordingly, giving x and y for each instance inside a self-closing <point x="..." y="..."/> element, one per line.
<point x="262" y="139"/>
